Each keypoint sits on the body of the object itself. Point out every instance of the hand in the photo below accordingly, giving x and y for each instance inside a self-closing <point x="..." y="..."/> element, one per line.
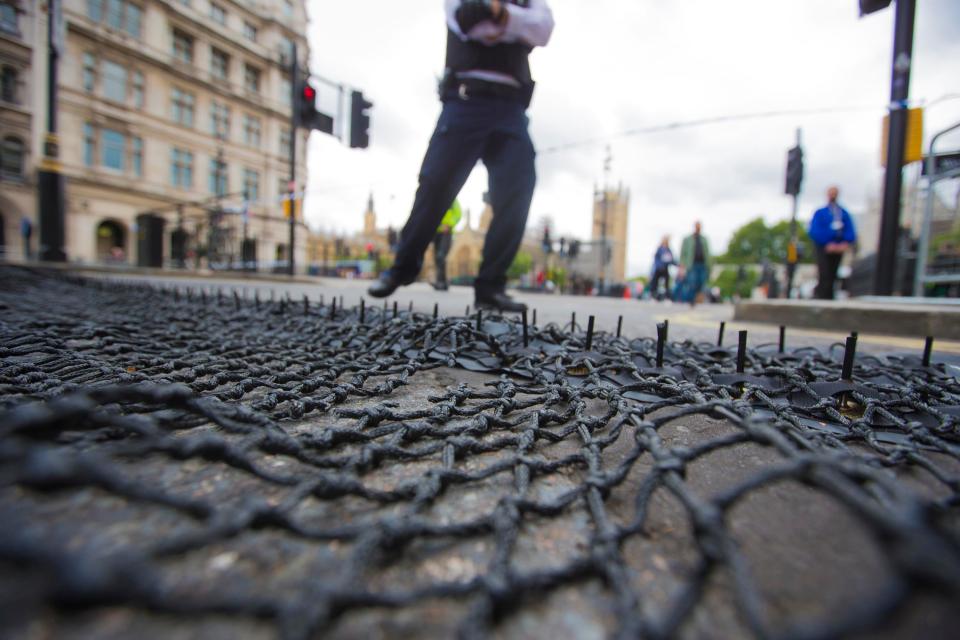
<point x="470" y="13"/>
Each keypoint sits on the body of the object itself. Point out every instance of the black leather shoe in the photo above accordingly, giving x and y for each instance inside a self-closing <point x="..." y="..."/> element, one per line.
<point x="386" y="284"/>
<point x="499" y="302"/>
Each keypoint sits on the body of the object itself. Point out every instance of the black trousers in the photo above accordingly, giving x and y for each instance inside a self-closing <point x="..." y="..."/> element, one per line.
<point x="491" y="129"/>
<point x="827" y="265"/>
<point x="658" y="275"/>
<point x="441" y="249"/>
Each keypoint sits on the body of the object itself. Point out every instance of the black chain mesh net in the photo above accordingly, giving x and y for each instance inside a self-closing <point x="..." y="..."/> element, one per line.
<point x="182" y="463"/>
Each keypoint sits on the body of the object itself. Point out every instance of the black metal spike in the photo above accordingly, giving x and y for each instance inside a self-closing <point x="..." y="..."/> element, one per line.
<point x="436" y="310"/>
<point x="410" y="307"/>
<point x="534" y="317"/>
<point x="619" y="326"/>
<point x="666" y="330"/>
<point x="526" y="333"/>
<point x="573" y="321"/>
<point x="306" y="304"/>
<point x="394" y="308"/>
<point x="783" y="339"/>
<point x="479" y="319"/>
<point x="236" y="300"/>
<point x="927" y="351"/>
<point x="661" y="340"/>
<point x="742" y="352"/>
<point x="590" y="322"/>
<point x="256" y="298"/>
<point x="219" y="295"/>
<point x="363" y="311"/>
<point x="849" y="353"/>
<point x="333" y="308"/>
<point x="723" y="327"/>
<point x="467" y="312"/>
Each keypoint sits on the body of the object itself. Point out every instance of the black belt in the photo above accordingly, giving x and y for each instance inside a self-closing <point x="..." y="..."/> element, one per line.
<point x="466" y="88"/>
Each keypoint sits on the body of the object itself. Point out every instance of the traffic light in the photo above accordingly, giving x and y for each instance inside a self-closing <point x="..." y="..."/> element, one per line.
<point x="869" y="6"/>
<point x="307" y="115"/>
<point x="359" y="121"/>
<point x="794" y="171"/>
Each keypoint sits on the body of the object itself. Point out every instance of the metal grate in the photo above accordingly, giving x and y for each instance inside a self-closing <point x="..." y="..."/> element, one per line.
<point x="192" y="461"/>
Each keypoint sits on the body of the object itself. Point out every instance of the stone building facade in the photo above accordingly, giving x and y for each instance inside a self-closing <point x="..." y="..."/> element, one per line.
<point x="181" y="109"/>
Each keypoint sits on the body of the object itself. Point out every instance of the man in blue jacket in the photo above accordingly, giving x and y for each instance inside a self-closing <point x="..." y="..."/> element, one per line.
<point x="832" y="232"/>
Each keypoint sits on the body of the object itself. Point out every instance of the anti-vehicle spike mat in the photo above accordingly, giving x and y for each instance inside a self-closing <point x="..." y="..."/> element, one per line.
<point x="194" y="462"/>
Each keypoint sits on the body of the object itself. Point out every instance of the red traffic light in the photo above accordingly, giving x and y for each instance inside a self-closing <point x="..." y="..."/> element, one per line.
<point x="309" y="92"/>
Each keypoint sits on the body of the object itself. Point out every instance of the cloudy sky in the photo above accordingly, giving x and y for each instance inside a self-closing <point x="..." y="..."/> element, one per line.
<point x="619" y="66"/>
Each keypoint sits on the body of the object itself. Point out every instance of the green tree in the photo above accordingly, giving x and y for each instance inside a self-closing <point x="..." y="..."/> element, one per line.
<point x="755" y="242"/>
<point x="728" y="285"/>
<point x="522" y="264"/>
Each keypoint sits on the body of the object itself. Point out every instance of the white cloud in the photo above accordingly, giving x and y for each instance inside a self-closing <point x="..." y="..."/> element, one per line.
<point x="613" y="66"/>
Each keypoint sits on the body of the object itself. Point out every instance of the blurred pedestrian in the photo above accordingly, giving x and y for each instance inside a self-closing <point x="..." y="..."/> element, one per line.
<point x="441" y="245"/>
<point x="485" y="92"/>
<point x="832" y="233"/>
<point x="26" y="232"/>
<point x="695" y="258"/>
<point x="662" y="261"/>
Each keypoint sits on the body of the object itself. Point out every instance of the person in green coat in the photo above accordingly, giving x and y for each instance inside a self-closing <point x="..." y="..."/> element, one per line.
<point x="441" y="244"/>
<point x="695" y="259"/>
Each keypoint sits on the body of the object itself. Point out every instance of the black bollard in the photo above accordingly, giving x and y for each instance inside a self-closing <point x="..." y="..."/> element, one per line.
<point x="783" y="338"/>
<point x="742" y="353"/>
<point x="927" y="351"/>
<point x="661" y="339"/>
<point x="849" y="353"/>
<point x="723" y="327"/>
<point x="590" y="322"/>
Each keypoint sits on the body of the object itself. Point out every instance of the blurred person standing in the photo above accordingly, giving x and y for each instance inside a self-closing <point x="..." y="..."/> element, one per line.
<point x="662" y="261"/>
<point x="485" y="91"/>
<point x="832" y="233"/>
<point x="695" y="259"/>
<point x="441" y="245"/>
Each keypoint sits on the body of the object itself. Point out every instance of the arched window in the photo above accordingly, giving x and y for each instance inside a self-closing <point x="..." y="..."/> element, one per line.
<point x="11" y="159"/>
<point x="9" y="18"/>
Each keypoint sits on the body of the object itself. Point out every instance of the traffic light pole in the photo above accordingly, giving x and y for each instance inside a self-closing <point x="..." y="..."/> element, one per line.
<point x="291" y="191"/>
<point x="49" y="176"/>
<point x="893" y="183"/>
<point x="793" y="250"/>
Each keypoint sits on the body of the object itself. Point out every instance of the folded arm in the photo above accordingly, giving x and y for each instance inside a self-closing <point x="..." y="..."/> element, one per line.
<point x="532" y="25"/>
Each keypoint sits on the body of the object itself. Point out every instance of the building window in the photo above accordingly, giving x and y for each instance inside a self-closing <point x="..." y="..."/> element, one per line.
<point x="285" y="91"/>
<point x="251" y="131"/>
<point x="219" y="120"/>
<point x="249" y="32"/>
<point x="219" y="64"/>
<point x="218" y="177"/>
<point x="181" y="169"/>
<point x="138" y="89"/>
<point x="117" y="14"/>
<point x="182" y="46"/>
<point x="136" y="155"/>
<point x="251" y="185"/>
<point x="9" y="18"/>
<point x="218" y="14"/>
<point x="251" y="78"/>
<point x="285" y="142"/>
<point x="89" y="72"/>
<point x="89" y="144"/>
<point x="287" y="9"/>
<point x="183" y="107"/>
<point x="112" y="149"/>
<point x="114" y="86"/>
<point x="11" y="159"/>
<point x="10" y="79"/>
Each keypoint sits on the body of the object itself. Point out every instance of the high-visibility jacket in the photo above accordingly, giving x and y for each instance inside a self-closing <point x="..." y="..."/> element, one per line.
<point x="452" y="217"/>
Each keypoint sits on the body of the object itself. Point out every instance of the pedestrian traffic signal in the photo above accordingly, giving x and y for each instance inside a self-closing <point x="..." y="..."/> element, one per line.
<point x="307" y="115"/>
<point x="869" y="6"/>
<point x="794" y="171"/>
<point x="359" y="121"/>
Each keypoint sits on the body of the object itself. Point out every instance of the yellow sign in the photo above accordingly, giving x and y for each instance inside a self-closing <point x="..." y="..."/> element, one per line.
<point x="286" y="207"/>
<point x="913" y="150"/>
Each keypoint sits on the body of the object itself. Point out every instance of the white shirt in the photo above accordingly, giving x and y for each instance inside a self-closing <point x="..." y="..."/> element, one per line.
<point x="531" y="25"/>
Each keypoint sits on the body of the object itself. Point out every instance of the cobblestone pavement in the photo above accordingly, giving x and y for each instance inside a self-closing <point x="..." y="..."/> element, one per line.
<point x="202" y="463"/>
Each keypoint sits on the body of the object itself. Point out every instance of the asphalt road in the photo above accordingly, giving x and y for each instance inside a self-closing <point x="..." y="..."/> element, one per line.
<point x="640" y="317"/>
